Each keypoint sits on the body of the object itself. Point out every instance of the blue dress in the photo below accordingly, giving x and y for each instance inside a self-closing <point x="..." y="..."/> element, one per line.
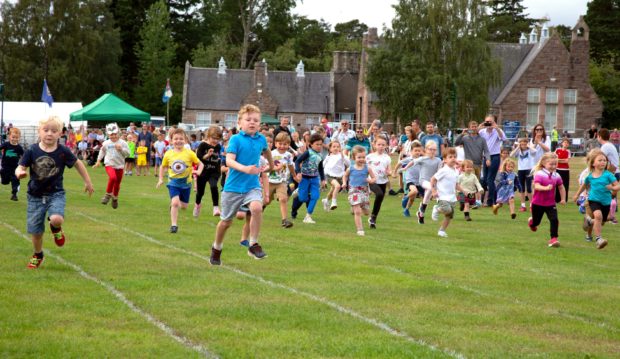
<point x="506" y="186"/>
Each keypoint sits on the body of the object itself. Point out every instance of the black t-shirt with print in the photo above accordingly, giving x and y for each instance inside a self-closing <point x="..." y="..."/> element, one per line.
<point x="212" y="164"/>
<point x="10" y="156"/>
<point x="46" y="169"/>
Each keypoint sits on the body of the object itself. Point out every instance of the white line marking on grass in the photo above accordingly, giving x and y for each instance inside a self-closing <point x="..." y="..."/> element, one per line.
<point x="378" y="324"/>
<point x="121" y="297"/>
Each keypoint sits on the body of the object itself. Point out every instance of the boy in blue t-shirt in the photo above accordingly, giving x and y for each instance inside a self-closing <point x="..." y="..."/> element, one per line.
<point x="242" y="184"/>
<point x="47" y="161"/>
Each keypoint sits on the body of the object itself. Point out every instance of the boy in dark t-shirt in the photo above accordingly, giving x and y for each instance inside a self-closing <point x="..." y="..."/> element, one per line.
<point x="11" y="151"/>
<point x="46" y="196"/>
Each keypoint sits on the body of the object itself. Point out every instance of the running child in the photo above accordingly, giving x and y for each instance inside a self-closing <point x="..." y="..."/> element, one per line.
<point x="208" y="152"/>
<point x="525" y="161"/>
<point x="160" y="150"/>
<point x="380" y="163"/>
<point x="335" y="164"/>
<point x="130" y="160"/>
<point x="546" y="180"/>
<point x="113" y="153"/>
<point x="283" y="167"/>
<point x="178" y="161"/>
<point x="470" y="188"/>
<point x="242" y="185"/>
<point x="411" y="177"/>
<point x="429" y="165"/>
<point x="600" y="184"/>
<point x="358" y="176"/>
<point x="505" y="187"/>
<point x="142" y="165"/>
<point x="563" y="167"/>
<point x="444" y="185"/>
<point x="11" y="152"/>
<point x="46" y="196"/>
<point x="310" y="176"/>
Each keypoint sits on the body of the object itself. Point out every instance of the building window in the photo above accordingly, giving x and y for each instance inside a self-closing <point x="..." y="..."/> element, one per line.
<point x="570" y="118"/>
<point x="230" y="120"/>
<point x="570" y="96"/>
<point x="312" y="121"/>
<point x="533" y="95"/>
<point x="346" y="116"/>
<point x="551" y="116"/>
<point x="532" y="115"/>
<point x="551" y="95"/>
<point x="203" y="119"/>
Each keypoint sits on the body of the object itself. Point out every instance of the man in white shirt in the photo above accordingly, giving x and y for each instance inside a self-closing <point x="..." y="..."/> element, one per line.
<point x="344" y="133"/>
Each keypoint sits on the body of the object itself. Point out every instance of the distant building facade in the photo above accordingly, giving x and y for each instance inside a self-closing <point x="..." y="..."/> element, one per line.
<point x="541" y="82"/>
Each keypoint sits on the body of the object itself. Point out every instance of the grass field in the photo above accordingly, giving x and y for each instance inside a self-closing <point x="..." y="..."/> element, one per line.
<point x="123" y="286"/>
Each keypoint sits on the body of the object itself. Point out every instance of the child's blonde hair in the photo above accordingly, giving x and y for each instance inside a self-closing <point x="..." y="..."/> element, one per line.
<point x="330" y="144"/>
<point x="548" y="156"/>
<point x="54" y="120"/>
<point x="506" y="162"/>
<point x="283" y="137"/>
<point x="430" y="144"/>
<point x="592" y="155"/>
<point x="467" y="163"/>
<point x="177" y="131"/>
<point x="357" y="149"/>
<point x="248" y="108"/>
<point x="523" y="139"/>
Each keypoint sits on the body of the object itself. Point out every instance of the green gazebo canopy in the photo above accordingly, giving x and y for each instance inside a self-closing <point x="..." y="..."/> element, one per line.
<point x="268" y="119"/>
<point x="110" y="108"/>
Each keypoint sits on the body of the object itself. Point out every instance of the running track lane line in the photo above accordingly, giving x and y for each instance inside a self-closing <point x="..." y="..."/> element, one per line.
<point x="378" y="324"/>
<point x="121" y="297"/>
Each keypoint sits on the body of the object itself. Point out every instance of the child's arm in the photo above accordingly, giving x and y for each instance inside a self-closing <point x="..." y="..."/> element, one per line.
<point x="614" y="187"/>
<point x="231" y="161"/>
<point x="267" y="154"/>
<point x="345" y="178"/>
<point x="291" y="169"/>
<point x="540" y="187"/>
<point x="582" y="187"/>
<point x="102" y="153"/>
<point x="514" y="152"/>
<point x="88" y="185"/>
<point x="198" y="170"/>
<point x="162" y="170"/>
<point x="20" y="172"/>
<point x="434" y="186"/>
<point x="322" y="174"/>
<point x="562" y="194"/>
<point x="372" y="176"/>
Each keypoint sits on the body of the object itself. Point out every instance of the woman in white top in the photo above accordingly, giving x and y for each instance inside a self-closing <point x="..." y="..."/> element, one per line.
<point x="539" y="142"/>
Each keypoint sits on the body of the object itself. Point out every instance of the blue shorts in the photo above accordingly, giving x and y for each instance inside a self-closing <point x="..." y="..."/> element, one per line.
<point x="182" y="192"/>
<point x="158" y="161"/>
<point x="54" y="204"/>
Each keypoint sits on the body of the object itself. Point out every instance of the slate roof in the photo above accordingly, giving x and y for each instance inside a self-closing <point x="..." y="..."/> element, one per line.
<point x="511" y="57"/>
<point x="208" y="90"/>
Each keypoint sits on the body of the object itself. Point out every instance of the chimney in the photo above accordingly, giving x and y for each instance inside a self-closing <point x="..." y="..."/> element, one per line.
<point x="300" y="69"/>
<point x="580" y="52"/>
<point x="260" y="75"/>
<point x="544" y="34"/>
<point x="533" y="36"/>
<point x="523" y="39"/>
<point x="221" y="70"/>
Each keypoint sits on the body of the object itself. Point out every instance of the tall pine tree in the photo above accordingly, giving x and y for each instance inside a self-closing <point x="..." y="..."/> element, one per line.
<point x="507" y="21"/>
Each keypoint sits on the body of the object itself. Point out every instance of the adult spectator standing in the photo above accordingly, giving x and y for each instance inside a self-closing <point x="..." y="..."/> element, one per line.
<point x="325" y="125"/>
<point x="494" y="136"/>
<point x="376" y="129"/>
<point x="147" y="137"/>
<point x="555" y="137"/>
<point x="592" y="135"/>
<point x="540" y="142"/>
<point x="283" y="127"/>
<point x="476" y="149"/>
<point x="132" y="129"/>
<point x="614" y="138"/>
<point x="344" y="133"/>
<point x="416" y="129"/>
<point x="431" y="135"/>
<point x="360" y="139"/>
<point x="613" y="161"/>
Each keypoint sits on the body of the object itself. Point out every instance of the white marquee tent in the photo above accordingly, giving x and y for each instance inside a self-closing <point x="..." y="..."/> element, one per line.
<point x="25" y="114"/>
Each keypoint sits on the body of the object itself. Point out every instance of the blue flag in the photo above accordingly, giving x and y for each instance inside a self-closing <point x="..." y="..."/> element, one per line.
<point x="167" y="92"/>
<point x="46" y="95"/>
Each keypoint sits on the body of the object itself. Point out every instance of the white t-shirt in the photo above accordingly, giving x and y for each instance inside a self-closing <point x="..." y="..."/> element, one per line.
<point x="335" y="165"/>
<point x="446" y="183"/>
<point x="460" y="153"/>
<point x="285" y="159"/>
<point x="612" y="154"/>
<point x="380" y="165"/>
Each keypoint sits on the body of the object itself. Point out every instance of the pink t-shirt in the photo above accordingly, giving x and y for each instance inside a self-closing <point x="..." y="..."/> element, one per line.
<point x="544" y="178"/>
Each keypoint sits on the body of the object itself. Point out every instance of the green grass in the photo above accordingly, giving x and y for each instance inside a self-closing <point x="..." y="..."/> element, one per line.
<point x="492" y="289"/>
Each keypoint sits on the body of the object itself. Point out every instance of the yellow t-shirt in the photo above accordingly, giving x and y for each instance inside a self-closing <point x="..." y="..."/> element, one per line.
<point x="141" y="151"/>
<point x="179" y="165"/>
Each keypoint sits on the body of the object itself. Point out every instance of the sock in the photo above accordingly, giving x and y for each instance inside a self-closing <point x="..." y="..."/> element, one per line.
<point x="423" y="207"/>
<point x="55" y="229"/>
<point x="218" y="246"/>
<point x="253" y="241"/>
<point x="597" y="238"/>
<point x="466" y="214"/>
<point x="523" y="205"/>
<point x="334" y="201"/>
<point x="39" y="255"/>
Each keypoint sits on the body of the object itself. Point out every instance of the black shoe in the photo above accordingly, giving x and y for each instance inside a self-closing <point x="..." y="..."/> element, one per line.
<point x="400" y="190"/>
<point x="467" y="218"/>
<point x="392" y="192"/>
<point x="255" y="251"/>
<point x="372" y="221"/>
<point x="14" y="197"/>
<point x="174" y="229"/>
<point x="286" y="223"/>
<point x="215" y="257"/>
<point x="420" y="218"/>
<point x="513" y="216"/>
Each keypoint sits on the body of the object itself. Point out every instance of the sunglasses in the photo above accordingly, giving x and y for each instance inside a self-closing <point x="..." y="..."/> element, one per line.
<point x="538" y="129"/>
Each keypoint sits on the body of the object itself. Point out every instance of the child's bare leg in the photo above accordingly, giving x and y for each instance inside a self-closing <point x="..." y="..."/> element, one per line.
<point x="446" y="222"/>
<point x="175" y="203"/>
<point x="511" y="203"/>
<point x="56" y="220"/>
<point x="357" y="215"/>
<point x="413" y="193"/>
<point x="466" y="207"/>
<point x="597" y="223"/>
<point x="37" y="242"/>
<point x="283" y="207"/>
<point x="256" y="218"/>
<point x="334" y="190"/>
<point x="220" y="232"/>
<point x="245" y="231"/>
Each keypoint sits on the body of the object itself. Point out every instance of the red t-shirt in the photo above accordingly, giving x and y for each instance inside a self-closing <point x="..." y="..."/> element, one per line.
<point x="562" y="155"/>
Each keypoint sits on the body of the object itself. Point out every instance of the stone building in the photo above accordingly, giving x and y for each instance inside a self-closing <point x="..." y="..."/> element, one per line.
<point x="541" y="81"/>
<point x="544" y="82"/>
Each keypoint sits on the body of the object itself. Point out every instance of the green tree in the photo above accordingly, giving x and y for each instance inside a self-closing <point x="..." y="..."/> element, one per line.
<point x="352" y="31"/>
<point x="156" y="53"/>
<point x="434" y="45"/>
<point x="605" y="79"/>
<point x="603" y="17"/>
<point x="186" y="26"/>
<point x="507" y="20"/>
<point x="61" y="41"/>
<point x="209" y="56"/>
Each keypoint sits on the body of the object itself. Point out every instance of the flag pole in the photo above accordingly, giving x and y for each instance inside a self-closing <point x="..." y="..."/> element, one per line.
<point x="167" y="112"/>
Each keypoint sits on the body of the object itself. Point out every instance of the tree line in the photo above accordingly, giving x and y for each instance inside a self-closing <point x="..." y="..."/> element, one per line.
<point x="433" y="59"/>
